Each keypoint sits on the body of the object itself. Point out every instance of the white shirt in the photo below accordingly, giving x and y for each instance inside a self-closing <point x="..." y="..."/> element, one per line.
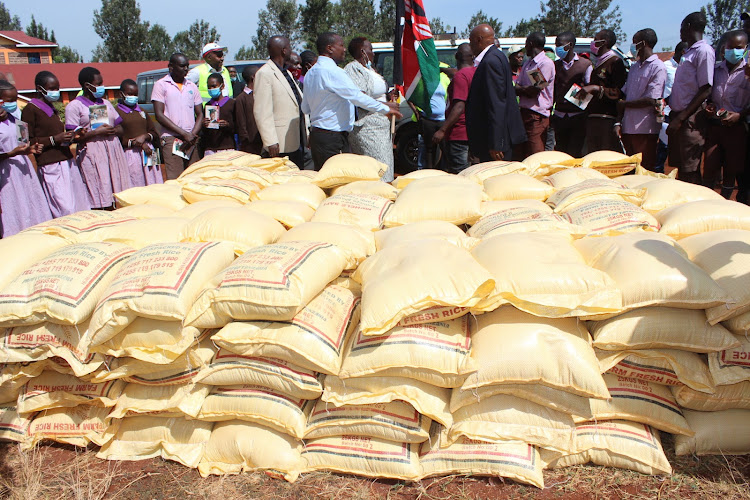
<point x="479" y="58"/>
<point x="586" y="76"/>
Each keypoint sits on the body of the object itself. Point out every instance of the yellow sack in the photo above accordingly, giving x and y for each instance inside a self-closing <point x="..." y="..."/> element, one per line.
<point x="140" y="233"/>
<point x="346" y="167"/>
<point x="571" y="176"/>
<point x="146" y="211"/>
<point x="543" y="274"/>
<point x="716" y="433"/>
<point x="159" y="282"/>
<point x="309" y="194"/>
<point x="610" y="218"/>
<point x="150" y="340"/>
<point x="356" y="242"/>
<point x="77" y="426"/>
<point x="513" y="347"/>
<point x="425" y="230"/>
<point x="661" y="328"/>
<point x="260" y="405"/>
<point x="313" y="339"/>
<point x="143" y="437"/>
<point x="272" y="282"/>
<point x="522" y="220"/>
<point x="549" y="397"/>
<point x="703" y="216"/>
<point x="636" y="181"/>
<point x="229" y="158"/>
<point x="293" y="176"/>
<point x="195" y="209"/>
<point x="724" y="255"/>
<point x="726" y="397"/>
<point x="665" y="193"/>
<point x="288" y="213"/>
<point x="220" y="189"/>
<point x="637" y="262"/>
<point x="429" y="400"/>
<point x="617" y="443"/>
<point x="449" y="198"/>
<point x="489" y="207"/>
<point x="363" y="456"/>
<point x="23" y="250"/>
<point x="543" y="158"/>
<point x="80" y="227"/>
<point x="638" y="401"/>
<point x="184" y="399"/>
<point x="13" y="427"/>
<point x="480" y="172"/>
<point x="438" y="314"/>
<point x="436" y="353"/>
<point x="13" y="377"/>
<point x="732" y="365"/>
<point x="663" y="367"/>
<point x="394" y="421"/>
<point x="402" y="181"/>
<point x="508" y="418"/>
<point x="55" y="390"/>
<point x="515" y="460"/>
<point x="405" y="279"/>
<point x="516" y="187"/>
<point x="236" y="447"/>
<point x="367" y="211"/>
<point x="232" y="369"/>
<point x="611" y="163"/>
<point x="167" y="195"/>
<point x="64" y="287"/>
<point x="246" y="173"/>
<point x="592" y="190"/>
<point x="739" y="325"/>
<point x="243" y="228"/>
<point x="26" y="344"/>
<point x="377" y="188"/>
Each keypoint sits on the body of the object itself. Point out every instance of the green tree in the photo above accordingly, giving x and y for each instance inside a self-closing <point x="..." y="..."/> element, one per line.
<point x="353" y="18"/>
<point x="525" y="27"/>
<point x="66" y="54"/>
<point x="481" y="18"/>
<point x="280" y="17"/>
<point x="249" y="53"/>
<point x="314" y="19"/>
<point x="37" y="30"/>
<point x="386" y="21"/>
<point x="158" y="45"/>
<point x="123" y="34"/>
<point x="191" y="42"/>
<point x="723" y="16"/>
<point x="583" y="17"/>
<point x="7" y="21"/>
<point x="438" y="27"/>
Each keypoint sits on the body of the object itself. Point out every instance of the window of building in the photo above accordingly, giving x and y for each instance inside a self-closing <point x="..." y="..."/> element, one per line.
<point x="35" y="58"/>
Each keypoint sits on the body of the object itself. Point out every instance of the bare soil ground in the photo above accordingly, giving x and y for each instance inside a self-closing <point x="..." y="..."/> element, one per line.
<point x="62" y="472"/>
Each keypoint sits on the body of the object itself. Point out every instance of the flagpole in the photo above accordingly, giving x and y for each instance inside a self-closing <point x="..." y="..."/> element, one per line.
<point x="398" y="68"/>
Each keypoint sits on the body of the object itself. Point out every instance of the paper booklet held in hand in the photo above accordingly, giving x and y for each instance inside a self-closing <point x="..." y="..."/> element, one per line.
<point x="212" y="113"/>
<point x="22" y="132"/>
<point x="98" y="116"/>
<point x="577" y="97"/>
<point x="537" y="78"/>
<point x="177" y="149"/>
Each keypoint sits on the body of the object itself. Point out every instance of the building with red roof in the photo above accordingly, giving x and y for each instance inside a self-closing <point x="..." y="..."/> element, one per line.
<point x="16" y="47"/>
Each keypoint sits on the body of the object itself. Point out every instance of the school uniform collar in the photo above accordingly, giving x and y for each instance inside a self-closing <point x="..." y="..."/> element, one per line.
<point x="648" y="60"/>
<point x="605" y="57"/>
<point x="247" y="90"/>
<point x="184" y="83"/>
<point x="740" y="66"/>
<point x="695" y="46"/>
<point x="221" y="102"/>
<point x="88" y="102"/>
<point x="539" y="57"/>
<point x="46" y="108"/>
<point x="127" y="109"/>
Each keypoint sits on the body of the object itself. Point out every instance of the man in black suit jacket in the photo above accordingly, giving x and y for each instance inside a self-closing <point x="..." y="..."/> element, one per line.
<point x="493" y="119"/>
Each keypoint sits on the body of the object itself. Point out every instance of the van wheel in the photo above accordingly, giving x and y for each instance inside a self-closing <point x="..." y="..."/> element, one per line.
<point x="407" y="150"/>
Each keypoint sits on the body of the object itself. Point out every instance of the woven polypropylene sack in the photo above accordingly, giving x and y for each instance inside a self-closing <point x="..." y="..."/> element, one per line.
<point x="367" y="211"/>
<point x="592" y="190"/>
<point x="611" y="163"/>
<point x="346" y="167"/>
<point x="241" y="227"/>
<point x="489" y="207"/>
<point x="543" y="274"/>
<point x="405" y="279"/>
<point x="182" y="400"/>
<point x="665" y="193"/>
<point x="289" y="213"/>
<point x="449" y="198"/>
<point x="314" y="338"/>
<point x="25" y="344"/>
<point x="703" y="216"/>
<point x="610" y="218"/>
<point x="661" y="328"/>
<point x="716" y="433"/>
<point x="13" y="376"/>
<point x="726" y="397"/>
<point x="272" y="282"/>
<point x="21" y="251"/>
<point x="308" y="194"/>
<point x="356" y="242"/>
<point x="516" y="187"/>
<point x="435" y="353"/>
<point x="228" y="158"/>
<point x="167" y="195"/>
<point x="147" y="211"/>
<point x="143" y="232"/>
<point x="195" y="209"/>
<point x="402" y="181"/>
<point x="247" y="173"/>
<point x="637" y="262"/>
<point x="483" y="171"/>
<point x="542" y="158"/>
<point x="522" y="220"/>
<point x="570" y="176"/>
<point x="55" y="390"/>
<point x="616" y="443"/>
<point x="425" y="230"/>
<point x="219" y="189"/>
<point x="731" y="365"/>
<point x="552" y="398"/>
<point x="237" y="446"/>
<point x="63" y="287"/>
<point x="77" y="426"/>
<point x="377" y="188"/>
<point x="80" y="227"/>
<point x="14" y="427"/>
<point x="634" y="181"/>
<point x="513" y="347"/>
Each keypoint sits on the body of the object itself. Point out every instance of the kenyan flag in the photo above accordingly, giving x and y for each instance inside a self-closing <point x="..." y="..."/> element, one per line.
<point x="415" y="54"/>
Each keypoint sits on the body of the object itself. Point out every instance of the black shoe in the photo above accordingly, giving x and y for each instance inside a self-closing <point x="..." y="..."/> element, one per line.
<point x="726" y="192"/>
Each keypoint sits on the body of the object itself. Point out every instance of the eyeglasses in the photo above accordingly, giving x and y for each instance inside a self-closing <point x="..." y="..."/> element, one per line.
<point x="217" y="53"/>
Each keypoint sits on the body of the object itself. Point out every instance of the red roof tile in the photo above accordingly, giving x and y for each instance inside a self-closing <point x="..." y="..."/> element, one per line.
<point x="25" y="40"/>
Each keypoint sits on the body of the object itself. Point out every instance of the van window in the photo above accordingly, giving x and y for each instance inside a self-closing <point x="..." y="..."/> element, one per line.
<point x="145" y="85"/>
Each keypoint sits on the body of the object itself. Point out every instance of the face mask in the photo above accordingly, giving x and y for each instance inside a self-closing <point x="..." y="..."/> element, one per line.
<point x="733" y="56"/>
<point x="51" y="95"/>
<point x="594" y="47"/>
<point x="634" y="49"/>
<point x="214" y="93"/>
<point x="235" y="79"/>
<point x="10" y="107"/>
<point x="130" y="100"/>
<point x="561" y="52"/>
<point x="99" y="91"/>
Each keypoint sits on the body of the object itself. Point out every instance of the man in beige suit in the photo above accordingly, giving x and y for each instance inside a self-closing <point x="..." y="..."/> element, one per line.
<point x="281" y="123"/>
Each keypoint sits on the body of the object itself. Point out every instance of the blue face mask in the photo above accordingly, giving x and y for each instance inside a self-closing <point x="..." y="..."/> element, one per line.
<point x="733" y="56"/>
<point x="130" y="100"/>
<point x="634" y="49"/>
<point x="51" y="95"/>
<point x="561" y="52"/>
<point x="99" y="91"/>
<point x="214" y="93"/>
<point x="10" y="107"/>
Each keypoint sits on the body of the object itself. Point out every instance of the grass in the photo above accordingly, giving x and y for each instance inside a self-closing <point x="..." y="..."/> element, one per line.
<point x="55" y="471"/>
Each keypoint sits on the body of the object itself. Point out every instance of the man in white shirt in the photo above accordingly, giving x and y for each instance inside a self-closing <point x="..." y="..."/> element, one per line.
<point x="330" y="97"/>
<point x="662" y="151"/>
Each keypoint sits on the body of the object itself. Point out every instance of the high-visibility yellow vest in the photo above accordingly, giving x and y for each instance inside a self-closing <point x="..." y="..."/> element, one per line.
<point x="204" y="71"/>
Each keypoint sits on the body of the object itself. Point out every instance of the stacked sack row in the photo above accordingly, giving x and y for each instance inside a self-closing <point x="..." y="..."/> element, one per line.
<point x="361" y="329"/>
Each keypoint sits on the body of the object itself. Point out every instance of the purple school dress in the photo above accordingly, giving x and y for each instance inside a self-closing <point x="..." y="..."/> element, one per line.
<point x="61" y="181"/>
<point x="102" y="160"/>
<point x="21" y="197"/>
<point x="140" y="174"/>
